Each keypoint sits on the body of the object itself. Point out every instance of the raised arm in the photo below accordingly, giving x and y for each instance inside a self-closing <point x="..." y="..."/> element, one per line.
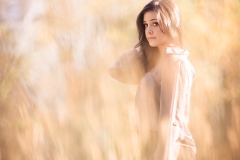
<point x="129" y="68"/>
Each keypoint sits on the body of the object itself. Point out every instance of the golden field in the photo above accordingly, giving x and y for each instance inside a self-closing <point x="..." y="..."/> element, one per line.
<point x="57" y="101"/>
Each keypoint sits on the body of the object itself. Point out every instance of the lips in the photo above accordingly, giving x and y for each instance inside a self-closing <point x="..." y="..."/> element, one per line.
<point x="151" y="38"/>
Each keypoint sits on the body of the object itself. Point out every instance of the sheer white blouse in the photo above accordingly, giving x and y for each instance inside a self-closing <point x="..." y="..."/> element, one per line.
<point x="163" y="96"/>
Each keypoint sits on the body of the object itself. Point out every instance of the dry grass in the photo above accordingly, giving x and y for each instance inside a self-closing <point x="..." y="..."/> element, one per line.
<point x="57" y="101"/>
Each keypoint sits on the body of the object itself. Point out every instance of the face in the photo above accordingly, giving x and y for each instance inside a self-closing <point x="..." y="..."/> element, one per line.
<point x="154" y="35"/>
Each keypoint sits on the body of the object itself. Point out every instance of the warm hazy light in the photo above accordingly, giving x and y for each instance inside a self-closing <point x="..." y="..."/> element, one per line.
<point x="58" y="102"/>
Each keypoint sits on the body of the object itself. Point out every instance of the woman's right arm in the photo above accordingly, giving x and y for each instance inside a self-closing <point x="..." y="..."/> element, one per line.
<point x="129" y="68"/>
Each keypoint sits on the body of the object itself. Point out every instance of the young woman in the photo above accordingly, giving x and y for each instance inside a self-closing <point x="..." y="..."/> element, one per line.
<point x="164" y="75"/>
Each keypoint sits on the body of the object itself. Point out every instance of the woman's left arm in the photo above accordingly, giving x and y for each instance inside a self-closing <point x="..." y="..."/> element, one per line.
<point x="172" y="99"/>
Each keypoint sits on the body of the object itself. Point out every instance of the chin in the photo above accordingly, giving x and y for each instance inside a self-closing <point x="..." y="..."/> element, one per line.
<point x="153" y="45"/>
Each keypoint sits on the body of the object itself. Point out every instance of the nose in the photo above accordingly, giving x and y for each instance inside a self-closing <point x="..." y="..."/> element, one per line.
<point x="149" y="30"/>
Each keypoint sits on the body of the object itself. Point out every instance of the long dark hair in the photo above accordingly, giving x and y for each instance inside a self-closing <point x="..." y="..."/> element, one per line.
<point x="169" y="19"/>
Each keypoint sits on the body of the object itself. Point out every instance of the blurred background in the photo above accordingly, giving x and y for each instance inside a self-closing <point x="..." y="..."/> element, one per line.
<point x="57" y="101"/>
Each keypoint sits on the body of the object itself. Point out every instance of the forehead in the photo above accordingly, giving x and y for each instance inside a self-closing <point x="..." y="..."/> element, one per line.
<point x="149" y="16"/>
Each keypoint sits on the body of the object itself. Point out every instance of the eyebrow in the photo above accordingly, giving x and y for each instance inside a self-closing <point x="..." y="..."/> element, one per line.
<point x="151" y="20"/>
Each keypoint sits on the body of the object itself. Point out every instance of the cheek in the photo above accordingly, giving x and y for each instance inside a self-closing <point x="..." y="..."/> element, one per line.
<point x="162" y="35"/>
<point x="159" y="32"/>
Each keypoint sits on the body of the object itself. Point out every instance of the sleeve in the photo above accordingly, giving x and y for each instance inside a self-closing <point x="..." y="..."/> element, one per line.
<point x="180" y="122"/>
<point x="184" y="84"/>
<point x="129" y="68"/>
<point x="175" y="87"/>
<point x="168" y="104"/>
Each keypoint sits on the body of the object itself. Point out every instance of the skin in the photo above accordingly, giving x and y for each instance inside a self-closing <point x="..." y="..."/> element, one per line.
<point x="154" y="35"/>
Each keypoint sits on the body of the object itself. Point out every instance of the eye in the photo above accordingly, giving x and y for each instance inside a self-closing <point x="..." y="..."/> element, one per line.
<point x="145" y="25"/>
<point x="155" y="23"/>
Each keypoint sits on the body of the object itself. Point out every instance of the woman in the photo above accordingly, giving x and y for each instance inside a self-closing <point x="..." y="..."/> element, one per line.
<point x="164" y="76"/>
